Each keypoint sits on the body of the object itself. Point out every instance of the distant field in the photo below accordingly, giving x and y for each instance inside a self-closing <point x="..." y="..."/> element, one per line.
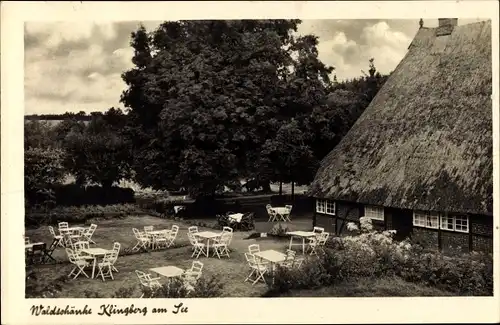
<point x="51" y="122"/>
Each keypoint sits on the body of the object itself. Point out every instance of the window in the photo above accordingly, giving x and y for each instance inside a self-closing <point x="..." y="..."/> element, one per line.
<point x="325" y="206"/>
<point x="374" y="212"/>
<point x="458" y="223"/>
<point x="426" y="219"/>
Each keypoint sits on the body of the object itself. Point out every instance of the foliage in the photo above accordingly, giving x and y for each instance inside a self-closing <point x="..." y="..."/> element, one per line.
<point x="246" y="223"/>
<point x="99" y="153"/>
<point x="76" y="195"/>
<point x="38" y="134"/>
<point x="278" y="230"/>
<point x="204" y="97"/>
<point x="79" y="214"/>
<point x="42" y="169"/>
<point x="376" y="254"/>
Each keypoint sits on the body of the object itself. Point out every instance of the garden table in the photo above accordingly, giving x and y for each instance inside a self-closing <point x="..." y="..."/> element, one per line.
<point x="272" y="256"/>
<point x="235" y="217"/>
<point x="301" y="234"/>
<point x="207" y="235"/>
<point x="282" y="212"/>
<point x="30" y="245"/>
<point x="155" y="233"/>
<point x="168" y="272"/>
<point x="95" y="252"/>
<point x="72" y="230"/>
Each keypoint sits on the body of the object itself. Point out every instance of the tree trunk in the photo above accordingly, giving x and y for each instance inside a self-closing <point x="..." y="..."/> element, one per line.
<point x="281" y="188"/>
<point x="266" y="186"/>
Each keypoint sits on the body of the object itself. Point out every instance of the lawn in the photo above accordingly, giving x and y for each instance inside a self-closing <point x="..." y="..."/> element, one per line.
<point x="232" y="270"/>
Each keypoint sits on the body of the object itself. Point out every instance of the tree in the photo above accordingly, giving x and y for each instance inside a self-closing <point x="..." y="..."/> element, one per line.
<point x="38" y="134"/>
<point x="99" y="153"/>
<point x="205" y="96"/>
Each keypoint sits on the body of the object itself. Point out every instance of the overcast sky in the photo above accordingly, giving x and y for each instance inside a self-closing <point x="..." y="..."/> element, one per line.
<point x="76" y="66"/>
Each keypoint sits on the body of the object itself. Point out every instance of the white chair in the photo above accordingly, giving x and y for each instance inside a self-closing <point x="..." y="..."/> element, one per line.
<point x="191" y="276"/>
<point x="254" y="248"/>
<point x="161" y="239"/>
<point x="87" y="233"/>
<point x="258" y="269"/>
<point x="289" y="259"/>
<point x="79" y="264"/>
<point x="143" y="240"/>
<point x="318" y="229"/>
<point x="106" y="265"/>
<point x="80" y="245"/>
<point x="63" y="228"/>
<point x="56" y="237"/>
<point x="222" y="246"/>
<point x="148" y="229"/>
<point x="289" y="209"/>
<point x="116" y="249"/>
<point x="172" y="235"/>
<point x="147" y="281"/>
<point x="193" y="229"/>
<point x="199" y="248"/>
<point x="273" y="216"/>
<point x="318" y="242"/>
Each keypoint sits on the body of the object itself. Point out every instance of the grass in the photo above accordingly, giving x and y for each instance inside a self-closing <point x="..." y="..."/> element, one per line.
<point x="232" y="270"/>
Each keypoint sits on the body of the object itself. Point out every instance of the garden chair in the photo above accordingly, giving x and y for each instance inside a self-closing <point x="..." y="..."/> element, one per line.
<point x="105" y="267"/>
<point x="161" y="239"/>
<point x="87" y="233"/>
<point x="68" y="241"/>
<point x="143" y="240"/>
<point x="318" y="242"/>
<point x="193" y="229"/>
<point x="36" y="255"/>
<point x="247" y="222"/>
<point x="147" y="281"/>
<point x="227" y="229"/>
<point x="148" y="229"/>
<point x="318" y="229"/>
<point x="58" y="237"/>
<point x="289" y="208"/>
<point x="191" y="276"/>
<point x="80" y="245"/>
<point x="63" y="228"/>
<point x="221" y="247"/>
<point x="254" y="248"/>
<point x="49" y="251"/>
<point x="116" y="250"/>
<point x="79" y="264"/>
<point x="172" y="235"/>
<point x="258" y="269"/>
<point x="199" y="248"/>
<point x="273" y="216"/>
<point x="289" y="259"/>
<point x="297" y="263"/>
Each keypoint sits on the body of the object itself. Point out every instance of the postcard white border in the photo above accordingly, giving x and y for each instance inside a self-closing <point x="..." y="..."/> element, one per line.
<point x="15" y="308"/>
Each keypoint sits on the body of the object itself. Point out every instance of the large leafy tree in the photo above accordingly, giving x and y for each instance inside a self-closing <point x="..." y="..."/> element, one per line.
<point x="99" y="153"/>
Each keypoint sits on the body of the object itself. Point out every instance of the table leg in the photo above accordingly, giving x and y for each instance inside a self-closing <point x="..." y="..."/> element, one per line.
<point x="93" y="268"/>
<point x="291" y="240"/>
<point x="208" y="247"/>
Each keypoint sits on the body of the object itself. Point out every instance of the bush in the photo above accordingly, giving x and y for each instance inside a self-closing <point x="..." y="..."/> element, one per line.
<point x="376" y="254"/>
<point x="42" y="171"/>
<point x="75" y="195"/>
<point x="278" y="230"/>
<point x="79" y="214"/>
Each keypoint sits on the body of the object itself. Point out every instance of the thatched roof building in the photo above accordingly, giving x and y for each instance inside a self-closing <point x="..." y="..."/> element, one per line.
<point x="425" y="141"/>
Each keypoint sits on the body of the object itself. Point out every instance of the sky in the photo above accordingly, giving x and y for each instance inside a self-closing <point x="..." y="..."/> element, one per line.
<point x="77" y="66"/>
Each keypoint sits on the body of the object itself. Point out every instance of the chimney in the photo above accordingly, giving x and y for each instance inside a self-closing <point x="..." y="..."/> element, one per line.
<point x="446" y="26"/>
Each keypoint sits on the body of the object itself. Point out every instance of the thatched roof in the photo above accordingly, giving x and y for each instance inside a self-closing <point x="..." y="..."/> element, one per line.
<point x="425" y="141"/>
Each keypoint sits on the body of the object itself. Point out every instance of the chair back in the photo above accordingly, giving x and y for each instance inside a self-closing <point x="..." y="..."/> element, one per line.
<point x="254" y="248"/>
<point x="250" y="259"/>
<point x="52" y="232"/>
<point x="148" y="228"/>
<point x="68" y="242"/>
<point x="192" y="239"/>
<point x="193" y="229"/>
<point x="226" y="237"/>
<point x="196" y="267"/>
<point x="289" y="208"/>
<point x="318" y="229"/>
<point x="227" y="229"/>
<point x="143" y="278"/>
<point x="116" y="247"/>
<point x="269" y="208"/>
<point x="63" y="225"/>
<point x="110" y="257"/>
<point x="80" y="245"/>
<point x="137" y="233"/>
<point x="71" y="255"/>
<point x="323" y="238"/>
<point x="175" y="229"/>
<point x="91" y="229"/>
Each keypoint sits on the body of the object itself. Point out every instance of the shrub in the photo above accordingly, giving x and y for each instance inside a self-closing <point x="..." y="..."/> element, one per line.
<point x="42" y="170"/>
<point x="278" y="230"/>
<point x="75" y="195"/>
